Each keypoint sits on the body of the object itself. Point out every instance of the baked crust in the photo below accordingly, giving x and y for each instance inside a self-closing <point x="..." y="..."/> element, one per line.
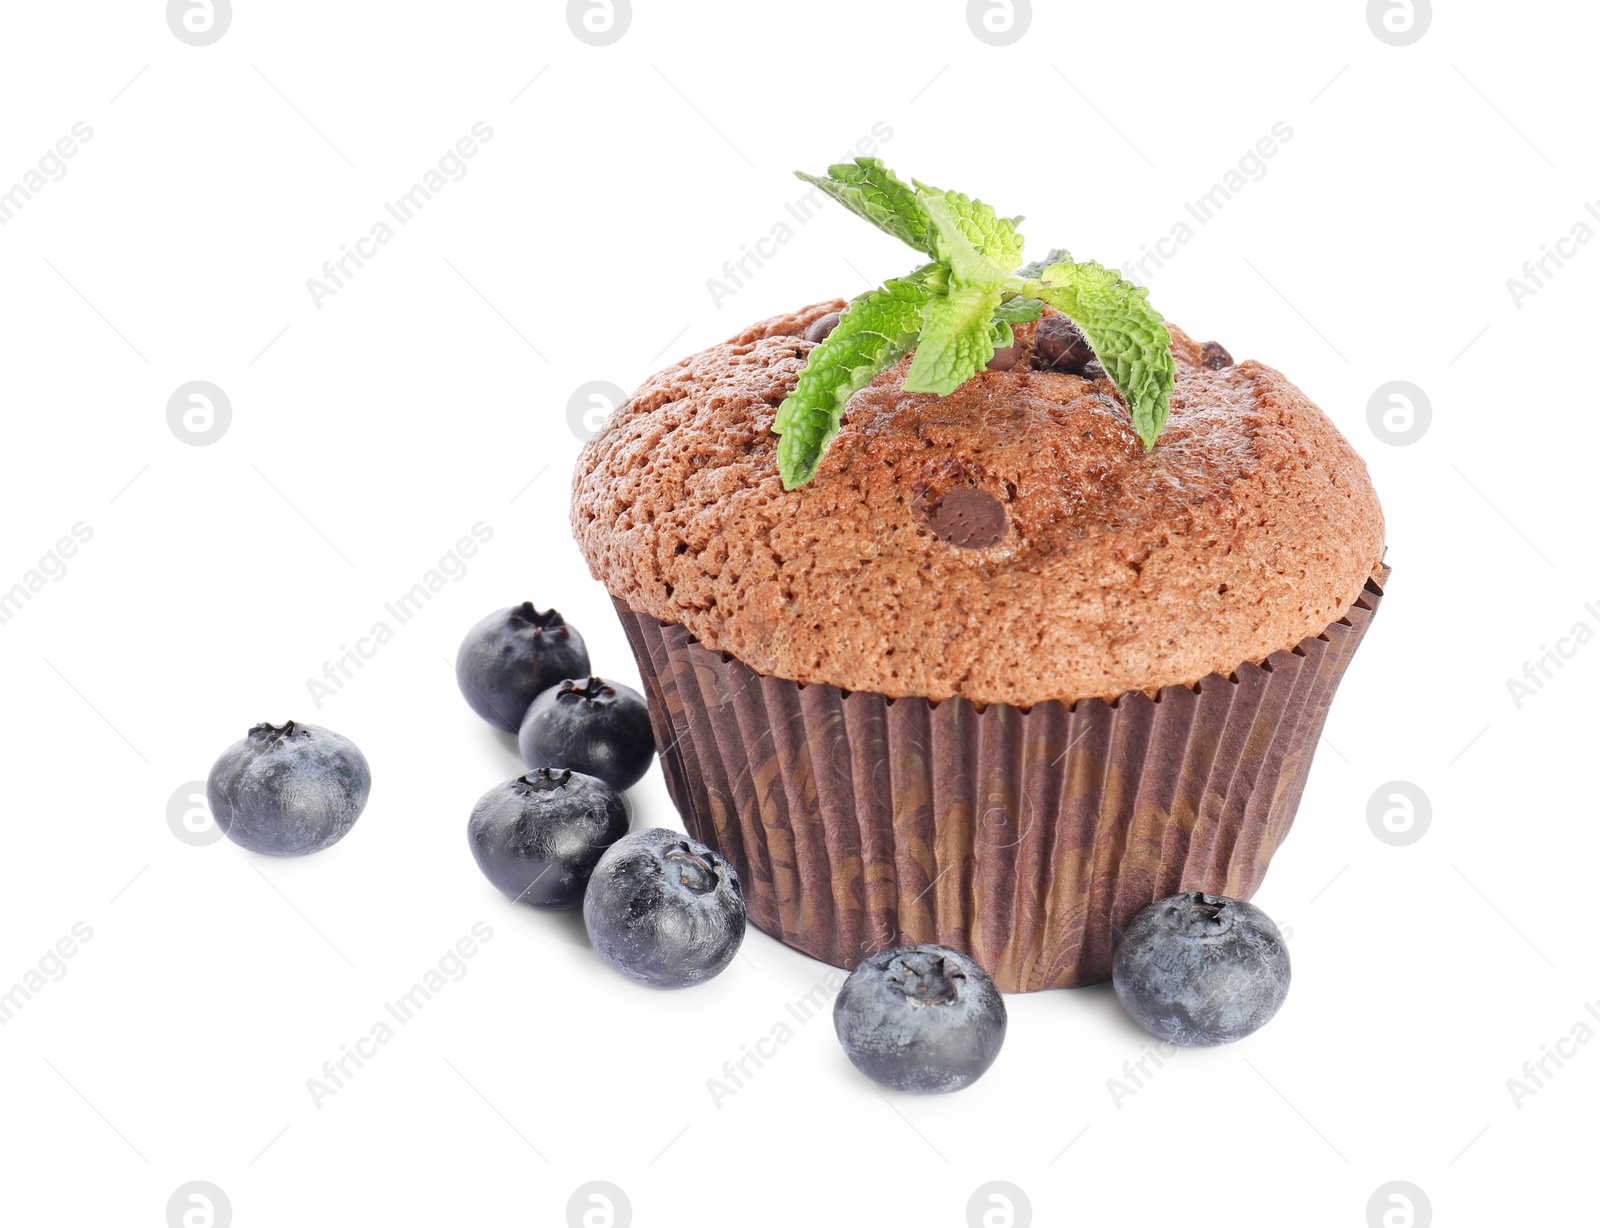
<point x="1252" y="525"/>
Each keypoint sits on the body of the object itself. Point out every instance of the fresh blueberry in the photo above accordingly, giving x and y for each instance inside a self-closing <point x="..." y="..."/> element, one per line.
<point x="664" y="909"/>
<point x="823" y="325"/>
<point x="1005" y="358"/>
<point x="1060" y="346"/>
<point x="592" y="726"/>
<point x="1197" y="969"/>
<point x="538" y="837"/>
<point x="920" y="1019"/>
<point x="512" y="655"/>
<point x="288" y="789"/>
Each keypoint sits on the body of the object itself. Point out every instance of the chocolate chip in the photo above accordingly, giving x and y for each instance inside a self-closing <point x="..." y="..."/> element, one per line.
<point x="1215" y="357"/>
<point x="822" y="326"/>
<point x="1093" y="370"/>
<point x="1060" y="346"/>
<point x="1005" y="359"/>
<point x="971" y="519"/>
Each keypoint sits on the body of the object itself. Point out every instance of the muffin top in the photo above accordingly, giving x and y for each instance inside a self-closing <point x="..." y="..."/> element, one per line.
<point x="1012" y="542"/>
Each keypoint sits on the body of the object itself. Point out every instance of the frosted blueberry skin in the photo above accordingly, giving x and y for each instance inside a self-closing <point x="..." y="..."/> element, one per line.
<point x="1198" y="970"/>
<point x="591" y="725"/>
<point x="920" y="1019"/>
<point x="664" y="910"/>
<point x="512" y="655"/>
<point x="538" y="837"/>
<point x="287" y="790"/>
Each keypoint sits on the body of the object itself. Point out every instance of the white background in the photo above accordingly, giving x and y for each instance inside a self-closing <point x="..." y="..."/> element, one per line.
<point x="430" y="393"/>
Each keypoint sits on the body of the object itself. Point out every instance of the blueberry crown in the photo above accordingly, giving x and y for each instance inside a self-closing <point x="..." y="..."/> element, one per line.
<point x="696" y="871"/>
<point x="590" y="688"/>
<point x="541" y="621"/>
<point x="545" y="779"/>
<point x="267" y="731"/>
<point x="1200" y="915"/>
<point x="925" y="979"/>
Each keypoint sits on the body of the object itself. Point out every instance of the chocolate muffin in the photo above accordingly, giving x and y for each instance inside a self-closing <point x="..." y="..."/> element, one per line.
<point x="998" y="677"/>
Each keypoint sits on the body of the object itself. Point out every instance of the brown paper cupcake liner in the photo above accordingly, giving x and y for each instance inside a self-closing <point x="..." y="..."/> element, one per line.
<point x="1024" y="836"/>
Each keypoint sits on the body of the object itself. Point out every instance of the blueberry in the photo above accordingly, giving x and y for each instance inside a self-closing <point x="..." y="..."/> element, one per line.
<point x="538" y="837"/>
<point x="822" y="326"/>
<point x="1197" y="969"/>
<point x="1060" y="346"/>
<point x="920" y="1019"/>
<point x="512" y="655"/>
<point x="288" y="789"/>
<point x="592" y="726"/>
<point x="664" y="909"/>
<point x="1005" y="358"/>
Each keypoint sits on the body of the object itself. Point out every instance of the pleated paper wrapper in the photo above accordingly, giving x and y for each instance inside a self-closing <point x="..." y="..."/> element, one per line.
<point x="1026" y="837"/>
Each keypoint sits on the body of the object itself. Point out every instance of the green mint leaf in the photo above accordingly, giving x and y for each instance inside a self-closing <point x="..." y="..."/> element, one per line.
<point x="957" y="340"/>
<point x="870" y="190"/>
<point x="1034" y="269"/>
<point x="874" y="331"/>
<point x="1127" y="335"/>
<point x="1019" y="310"/>
<point x="992" y="235"/>
<point x="958" y="335"/>
<point x="1003" y="338"/>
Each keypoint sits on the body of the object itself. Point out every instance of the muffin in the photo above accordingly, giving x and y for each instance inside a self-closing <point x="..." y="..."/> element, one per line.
<point x="998" y="677"/>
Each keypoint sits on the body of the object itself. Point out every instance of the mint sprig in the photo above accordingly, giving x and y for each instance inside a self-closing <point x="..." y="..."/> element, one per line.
<point x="874" y="331"/>
<point x="956" y="311"/>
<point x="870" y="190"/>
<point x="958" y="334"/>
